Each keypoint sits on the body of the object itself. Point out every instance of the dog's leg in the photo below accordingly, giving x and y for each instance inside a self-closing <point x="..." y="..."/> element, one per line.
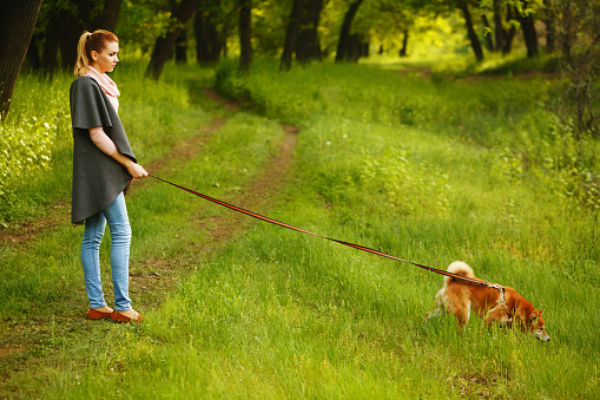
<point x="439" y="306"/>
<point x="458" y="304"/>
<point x="463" y="315"/>
<point x="438" y="312"/>
<point x="498" y="314"/>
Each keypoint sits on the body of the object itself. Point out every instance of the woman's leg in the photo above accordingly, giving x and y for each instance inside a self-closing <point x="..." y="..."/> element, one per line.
<point x="120" y="231"/>
<point x="90" y="259"/>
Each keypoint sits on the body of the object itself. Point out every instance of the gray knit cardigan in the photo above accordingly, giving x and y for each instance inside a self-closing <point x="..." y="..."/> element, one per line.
<point x="97" y="178"/>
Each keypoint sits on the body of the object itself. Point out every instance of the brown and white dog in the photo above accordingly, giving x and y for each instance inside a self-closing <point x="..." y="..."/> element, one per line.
<point x="506" y="307"/>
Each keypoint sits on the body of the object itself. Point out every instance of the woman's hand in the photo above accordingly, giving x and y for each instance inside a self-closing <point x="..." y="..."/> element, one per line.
<point x="135" y="170"/>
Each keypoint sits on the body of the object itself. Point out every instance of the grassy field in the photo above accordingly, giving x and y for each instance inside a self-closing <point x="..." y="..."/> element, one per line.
<point x="428" y="170"/>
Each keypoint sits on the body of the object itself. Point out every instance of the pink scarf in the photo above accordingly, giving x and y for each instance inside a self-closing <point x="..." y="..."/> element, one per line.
<point x="108" y="86"/>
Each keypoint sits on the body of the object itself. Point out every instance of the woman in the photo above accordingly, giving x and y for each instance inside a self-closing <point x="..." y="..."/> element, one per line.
<point x="103" y="166"/>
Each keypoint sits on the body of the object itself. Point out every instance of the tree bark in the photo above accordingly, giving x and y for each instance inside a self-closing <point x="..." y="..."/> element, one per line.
<point x="307" y="44"/>
<point x="33" y="53"/>
<point x="181" y="48"/>
<point x="498" y="28"/>
<point x="472" y="35"/>
<point x="49" y="60"/>
<point x="488" y="34"/>
<point x="110" y="14"/>
<point x="208" y="42"/>
<point x="550" y="22"/>
<point x="17" y="22"/>
<point x="509" y="35"/>
<point x="343" y="48"/>
<point x="164" y="45"/>
<point x="402" y="52"/>
<point x="245" y="35"/>
<point x="72" y="23"/>
<point x="68" y="35"/>
<point x="291" y="35"/>
<point x="529" y="32"/>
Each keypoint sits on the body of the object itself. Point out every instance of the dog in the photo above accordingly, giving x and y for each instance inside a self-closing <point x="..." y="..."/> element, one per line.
<point x="496" y="304"/>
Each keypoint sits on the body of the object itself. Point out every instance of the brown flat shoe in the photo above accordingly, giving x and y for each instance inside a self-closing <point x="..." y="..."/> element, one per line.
<point x="97" y="314"/>
<point x="117" y="316"/>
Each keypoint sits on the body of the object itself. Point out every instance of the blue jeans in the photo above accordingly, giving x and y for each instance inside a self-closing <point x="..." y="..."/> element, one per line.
<point x="120" y="231"/>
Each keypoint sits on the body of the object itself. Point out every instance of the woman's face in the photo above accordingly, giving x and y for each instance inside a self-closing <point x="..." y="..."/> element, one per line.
<point x="107" y="58"/>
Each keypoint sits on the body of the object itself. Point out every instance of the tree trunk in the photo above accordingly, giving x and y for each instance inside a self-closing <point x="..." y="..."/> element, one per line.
<point x="402" y="52"/>
<point x="17" y="22"/>
<point x="488" y="34"/>
<point x="498" y="28"/>
<point x="245" y="34"/>
<point x="164" y="45"/>
<point x="356" y="47"/>
<point x="110" y="14"/>
<point x="472" y="35"/>
<point x="343" y="48"/>
<point x="33" y="53"/>
<point x="291" y="35"/>
<point x="208" y="41"/>
<point x="529" y="32"/>
<point x="307" y="44"/>
<point x="550" y="22"/>
<point x="181" y="48"/>
<point x="509" y="35"/>
<point x="72" y="22"/>
<point x="50" y="49"/>
<point x="68" y="35"/>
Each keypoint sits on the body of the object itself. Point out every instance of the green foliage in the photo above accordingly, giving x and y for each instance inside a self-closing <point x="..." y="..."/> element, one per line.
<point x="229" y="80"/>
<point x="29" y="136"/>
<point x="141" y="23"/>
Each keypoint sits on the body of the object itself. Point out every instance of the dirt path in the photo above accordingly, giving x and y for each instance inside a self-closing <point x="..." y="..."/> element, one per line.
<point x="158" y="276"/>
<point x="21" y="344"/>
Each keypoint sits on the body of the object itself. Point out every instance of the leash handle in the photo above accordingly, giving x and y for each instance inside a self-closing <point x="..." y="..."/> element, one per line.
<point x="349" y="244"/>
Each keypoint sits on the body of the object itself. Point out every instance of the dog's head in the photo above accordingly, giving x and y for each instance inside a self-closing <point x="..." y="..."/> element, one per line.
<point x="537" y="326"/>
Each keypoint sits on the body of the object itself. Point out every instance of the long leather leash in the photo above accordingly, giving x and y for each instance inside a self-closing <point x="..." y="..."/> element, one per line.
<point x="353" y="245"/>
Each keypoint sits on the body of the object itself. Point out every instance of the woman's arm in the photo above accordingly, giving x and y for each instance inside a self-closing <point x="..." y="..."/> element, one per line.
<point x="105" y="144"/>
<point x="102" y="141"/>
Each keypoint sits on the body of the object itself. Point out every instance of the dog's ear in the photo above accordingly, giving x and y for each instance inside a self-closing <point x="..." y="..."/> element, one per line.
<point x="541" y="312"/>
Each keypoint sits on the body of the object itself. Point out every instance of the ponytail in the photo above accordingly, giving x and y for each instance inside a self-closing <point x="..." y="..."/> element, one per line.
<point x="89" y="42"/>
<point x="82" y="63"/>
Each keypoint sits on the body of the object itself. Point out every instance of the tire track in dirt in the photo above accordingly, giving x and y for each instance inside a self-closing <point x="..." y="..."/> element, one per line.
<point x="159" y="274"/>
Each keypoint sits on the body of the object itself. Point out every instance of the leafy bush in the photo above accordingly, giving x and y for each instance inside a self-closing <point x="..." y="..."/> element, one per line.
<point x="28" y="137"/>
<point x="228" y="80"/>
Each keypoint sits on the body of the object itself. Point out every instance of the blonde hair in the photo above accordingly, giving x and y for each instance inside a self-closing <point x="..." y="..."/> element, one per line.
<point x="89" y="42"/>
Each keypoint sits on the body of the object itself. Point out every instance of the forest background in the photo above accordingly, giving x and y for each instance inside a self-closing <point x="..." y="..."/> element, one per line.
<point x="434" y="130"/>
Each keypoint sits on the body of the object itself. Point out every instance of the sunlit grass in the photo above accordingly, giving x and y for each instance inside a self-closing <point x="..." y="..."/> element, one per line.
<point x="428" y="171"/>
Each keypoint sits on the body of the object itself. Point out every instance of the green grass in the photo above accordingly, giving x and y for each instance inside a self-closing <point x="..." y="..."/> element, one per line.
<point x="428" y="171"/>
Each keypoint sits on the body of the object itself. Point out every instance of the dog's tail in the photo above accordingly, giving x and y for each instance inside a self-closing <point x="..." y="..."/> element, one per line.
<point x="459" y="268"/>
